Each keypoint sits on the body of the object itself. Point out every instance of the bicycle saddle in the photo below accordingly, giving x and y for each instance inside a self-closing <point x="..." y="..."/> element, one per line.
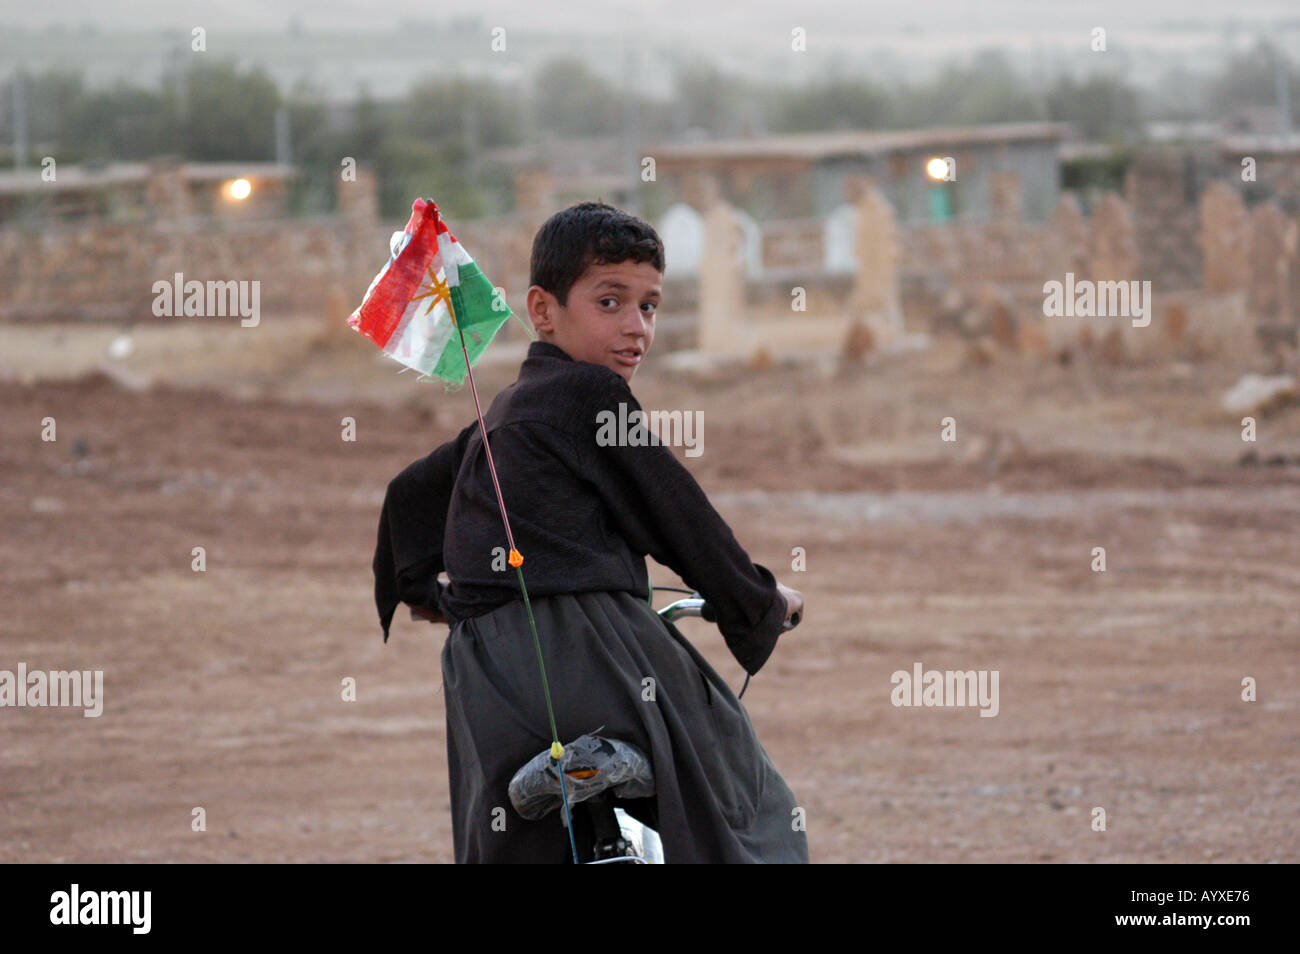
<point x="592" y="765"/>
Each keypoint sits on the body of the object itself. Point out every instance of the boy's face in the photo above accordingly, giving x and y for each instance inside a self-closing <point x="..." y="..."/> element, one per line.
<point x="609" y="319"/>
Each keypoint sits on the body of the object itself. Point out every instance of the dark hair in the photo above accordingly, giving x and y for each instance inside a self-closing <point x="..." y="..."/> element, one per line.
<point x="585" y="234"/>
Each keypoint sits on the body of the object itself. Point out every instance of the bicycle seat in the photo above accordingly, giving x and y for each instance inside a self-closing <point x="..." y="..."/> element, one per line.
<point x="592" y="765"/>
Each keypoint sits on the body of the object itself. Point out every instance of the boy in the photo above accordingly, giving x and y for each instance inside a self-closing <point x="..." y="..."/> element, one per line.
<point x="585" y="516"/>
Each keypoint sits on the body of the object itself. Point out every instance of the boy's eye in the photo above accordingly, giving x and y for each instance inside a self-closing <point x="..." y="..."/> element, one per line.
<point x="611" y="301"/>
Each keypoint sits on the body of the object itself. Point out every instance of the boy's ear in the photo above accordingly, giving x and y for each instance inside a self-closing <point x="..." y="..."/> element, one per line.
<point x="542" y="309"/>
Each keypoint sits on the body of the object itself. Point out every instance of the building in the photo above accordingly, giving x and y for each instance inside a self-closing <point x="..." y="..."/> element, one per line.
<point x="807" y="175"/>
<point x="139" y="191"/>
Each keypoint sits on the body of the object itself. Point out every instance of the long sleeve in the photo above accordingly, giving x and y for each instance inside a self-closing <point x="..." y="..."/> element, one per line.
<point x="408" y="553"/>
<point x="660" y="510"/>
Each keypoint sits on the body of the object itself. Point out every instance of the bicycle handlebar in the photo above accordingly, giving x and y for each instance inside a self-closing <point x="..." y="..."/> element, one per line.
<point x="697" y="606"/>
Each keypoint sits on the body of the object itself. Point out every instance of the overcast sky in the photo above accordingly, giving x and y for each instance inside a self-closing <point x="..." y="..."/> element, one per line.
<point x="1147" y="39"/>
<point x="855" y="16"/>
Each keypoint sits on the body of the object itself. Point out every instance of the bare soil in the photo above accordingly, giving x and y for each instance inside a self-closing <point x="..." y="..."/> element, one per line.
<point x="1119" y="690"/>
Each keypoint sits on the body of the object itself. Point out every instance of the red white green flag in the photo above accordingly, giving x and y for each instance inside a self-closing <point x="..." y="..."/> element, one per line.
<point x="428" y="286"/>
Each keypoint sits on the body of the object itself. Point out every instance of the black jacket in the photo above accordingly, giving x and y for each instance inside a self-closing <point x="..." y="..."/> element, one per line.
<point x="584" y="515"/>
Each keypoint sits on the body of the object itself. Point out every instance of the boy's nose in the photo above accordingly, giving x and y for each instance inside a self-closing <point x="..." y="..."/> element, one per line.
<point x="635" y="323"/>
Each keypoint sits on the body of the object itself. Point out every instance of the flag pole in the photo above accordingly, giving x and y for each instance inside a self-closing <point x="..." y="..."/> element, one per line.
<point x="517" y="561"/>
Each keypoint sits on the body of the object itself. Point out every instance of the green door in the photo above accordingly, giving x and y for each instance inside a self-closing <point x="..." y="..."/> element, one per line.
<point x="940" y="202"/>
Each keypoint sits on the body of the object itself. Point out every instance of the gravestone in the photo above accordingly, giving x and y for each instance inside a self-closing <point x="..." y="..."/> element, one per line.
<point x="722" y="280"/>
<point x="1113" y="257"/>
<point x="839" y="239"/>
<point x="1067" y="251"/>
<point x="1272" y="251"/>
<point x="874" y="297"/>
<point x="1225" y="240"/>
<point x="681" y="229"/>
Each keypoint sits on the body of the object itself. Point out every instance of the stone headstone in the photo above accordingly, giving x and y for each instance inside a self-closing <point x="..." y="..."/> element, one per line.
<point x="1225" y="239"/>
<point x="1113" y="257"/>
<point x="1067" y="251"/>
<point x="839" y="239"/>
<point x="722" y="282"/>
<point x="1272" y="250"/>
<point x="681" y="229"/>
<point x="874" y="297"/>
<point x="1112" y="249"/>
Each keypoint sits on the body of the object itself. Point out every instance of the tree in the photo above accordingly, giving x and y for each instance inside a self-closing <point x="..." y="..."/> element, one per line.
<point x="1250" y="79"/>
<point x="229" y="114"/>
<point x="989" y="90"/>
<point x="1103" y="108"/>
<point x="471" y="109"/>
<point x="835" y="103"/>
<point x="571" y="100"/>
<point x="126" y="122"/>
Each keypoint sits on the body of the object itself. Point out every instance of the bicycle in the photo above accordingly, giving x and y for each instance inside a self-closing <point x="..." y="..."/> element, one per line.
<point x="598" y="771"/>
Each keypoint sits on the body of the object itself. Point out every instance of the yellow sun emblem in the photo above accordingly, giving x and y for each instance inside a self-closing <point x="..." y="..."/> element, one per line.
<point x="436" y="290"/>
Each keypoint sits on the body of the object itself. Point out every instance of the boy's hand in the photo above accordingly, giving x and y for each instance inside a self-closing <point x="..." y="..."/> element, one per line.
<point x="431" y="613"/>
<point x="793" y="599"/>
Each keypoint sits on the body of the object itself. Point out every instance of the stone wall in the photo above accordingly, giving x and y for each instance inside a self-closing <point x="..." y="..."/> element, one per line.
<point x="101" y="271"/>
<point x="1216" y="278"/>
<point x="1222" y="276"/>
<point x="107" y="272"/>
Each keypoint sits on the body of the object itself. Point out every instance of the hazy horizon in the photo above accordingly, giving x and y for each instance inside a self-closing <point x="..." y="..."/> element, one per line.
<point x="591" y="16"/>
<point x="341" y="44"/>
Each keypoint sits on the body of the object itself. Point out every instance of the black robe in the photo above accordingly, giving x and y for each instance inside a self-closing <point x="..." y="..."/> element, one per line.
<point x="585" y="516"/>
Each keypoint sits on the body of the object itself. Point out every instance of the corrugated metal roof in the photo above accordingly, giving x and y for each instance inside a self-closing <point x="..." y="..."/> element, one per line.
<point x="1245" y="145"/>
<point x="827" y="145"/>
<point x="73" y="178"/>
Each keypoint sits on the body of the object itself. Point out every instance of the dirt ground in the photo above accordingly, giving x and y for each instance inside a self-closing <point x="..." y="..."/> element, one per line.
<point x="1119" y="690"/>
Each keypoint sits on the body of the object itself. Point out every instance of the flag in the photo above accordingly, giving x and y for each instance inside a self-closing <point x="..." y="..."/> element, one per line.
<point x="432" y="309"/>
<point x="429" y="285"/>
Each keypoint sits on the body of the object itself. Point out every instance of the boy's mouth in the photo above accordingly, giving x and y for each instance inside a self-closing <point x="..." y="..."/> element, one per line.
<point x="629" y="357"/>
